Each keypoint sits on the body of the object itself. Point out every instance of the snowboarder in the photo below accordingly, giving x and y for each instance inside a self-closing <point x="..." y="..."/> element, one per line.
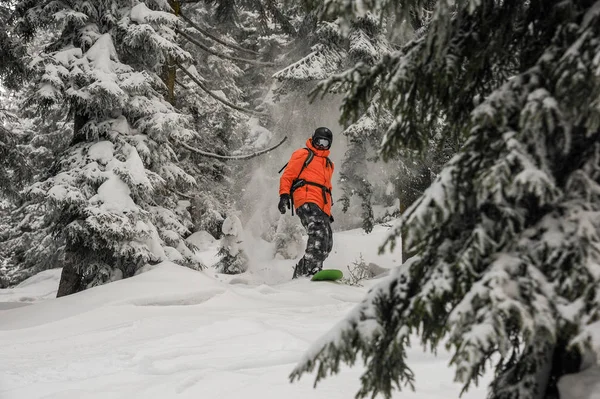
<point x="306" y="186"/>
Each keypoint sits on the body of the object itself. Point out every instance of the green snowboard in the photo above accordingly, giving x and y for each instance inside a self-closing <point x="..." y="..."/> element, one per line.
<point x="328" y="275"/>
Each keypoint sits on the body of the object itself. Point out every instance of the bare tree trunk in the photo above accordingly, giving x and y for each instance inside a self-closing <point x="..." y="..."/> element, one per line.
<point x="79" y="121"/>
<point x="543" y="373"/>
<point x="170" y="68"/>
<point x="410" y="194"/>
<point x="71" y="279"/>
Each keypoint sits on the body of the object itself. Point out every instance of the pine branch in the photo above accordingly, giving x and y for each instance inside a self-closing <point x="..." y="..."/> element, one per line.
<point x="236" y="157"/>
<point x="216" y="39"/>
<point x="181" y="84"/>
<point x="221" y="55"/>
<point x="218" y="98"/>
<point x="180" y="194"/>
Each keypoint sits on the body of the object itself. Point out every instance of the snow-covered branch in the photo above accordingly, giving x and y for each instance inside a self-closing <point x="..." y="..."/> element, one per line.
<point x="221" y="55"/>
<point x="181" y="194"/>
<point x="236" y="157"/>
<point x="218" y="98"/>
<point x="213" y="37"/>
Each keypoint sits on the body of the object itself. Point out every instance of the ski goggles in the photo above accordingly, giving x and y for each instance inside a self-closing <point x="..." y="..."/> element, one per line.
<point x="321" y="143"/>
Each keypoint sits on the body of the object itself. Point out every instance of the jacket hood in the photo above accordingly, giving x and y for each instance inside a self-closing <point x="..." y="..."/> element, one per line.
<point x="319" y="153"/>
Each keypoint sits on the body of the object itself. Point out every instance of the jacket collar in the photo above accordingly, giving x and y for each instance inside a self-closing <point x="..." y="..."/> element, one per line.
<point x="319" y="153"/>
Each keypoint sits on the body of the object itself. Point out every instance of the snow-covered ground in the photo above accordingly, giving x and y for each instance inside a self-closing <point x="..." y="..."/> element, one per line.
<point x="175" y="333"/>
<point x="40" y="287"/>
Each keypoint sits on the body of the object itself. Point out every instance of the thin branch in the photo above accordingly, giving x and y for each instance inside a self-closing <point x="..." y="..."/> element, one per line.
<point x="218" y="98"/>
<point x="180" y="194"/>
<point x="221" y="55"/>
<point x="216" y="39"/>
<point x="236" y="157"/>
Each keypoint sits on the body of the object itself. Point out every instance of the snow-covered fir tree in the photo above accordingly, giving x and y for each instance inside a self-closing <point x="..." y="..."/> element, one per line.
<point x="27" y="244"/>
<point x="222" y="88"/>
<point x="12" y="51"/>
<point x="506" y="267"/>
<point x="111" y="194"/>
<point x="231" y="251"/>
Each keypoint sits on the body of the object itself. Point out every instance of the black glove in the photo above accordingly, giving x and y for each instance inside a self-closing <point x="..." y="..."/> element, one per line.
<point x="331" y="219"/>
<point x="284" y="200"/>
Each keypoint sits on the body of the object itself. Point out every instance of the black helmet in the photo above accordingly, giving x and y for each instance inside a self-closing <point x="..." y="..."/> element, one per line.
<point x="322" y="138"/>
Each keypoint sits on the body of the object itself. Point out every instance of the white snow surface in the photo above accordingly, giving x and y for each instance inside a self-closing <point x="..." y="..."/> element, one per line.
<point x="172" y="332"/>
<point x="36" y="288"/>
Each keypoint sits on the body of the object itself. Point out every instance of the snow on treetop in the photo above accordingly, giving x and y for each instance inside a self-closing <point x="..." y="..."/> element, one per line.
<point x="232" y="226"/>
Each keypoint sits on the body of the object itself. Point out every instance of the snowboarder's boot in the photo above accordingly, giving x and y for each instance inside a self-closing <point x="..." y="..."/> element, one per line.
<point x="315" y="269"/>
<point x="305" y="269"/>
<point x="299" y="270"/>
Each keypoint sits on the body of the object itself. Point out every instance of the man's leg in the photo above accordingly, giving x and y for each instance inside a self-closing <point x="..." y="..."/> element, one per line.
<point x="319" y="242"/>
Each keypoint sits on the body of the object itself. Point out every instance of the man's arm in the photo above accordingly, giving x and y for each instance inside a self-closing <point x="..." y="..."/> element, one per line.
<point x="291" y="171"/>
<point x="331" y="178"/>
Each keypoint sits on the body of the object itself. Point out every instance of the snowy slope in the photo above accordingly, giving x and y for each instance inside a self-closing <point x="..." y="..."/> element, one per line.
<point x="175" y="333"/>
<point x="36" y="288"/>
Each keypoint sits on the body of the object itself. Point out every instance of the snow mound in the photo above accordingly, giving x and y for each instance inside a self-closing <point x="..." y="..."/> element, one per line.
<point x="36" y="288"/>
<point x="166" y="283"/>
<point x="203" y="240"/>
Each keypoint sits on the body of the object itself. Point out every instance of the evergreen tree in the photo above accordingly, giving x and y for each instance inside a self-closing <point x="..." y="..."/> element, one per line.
<point x="218" y="125"/>
<point x="12" y="51"/>
<point x="233" y="257"/>
<point x="505" y="266"/>
<point x="227" y="79"/>
<point x="27" y="244"/>
<point x="111" y="194"/>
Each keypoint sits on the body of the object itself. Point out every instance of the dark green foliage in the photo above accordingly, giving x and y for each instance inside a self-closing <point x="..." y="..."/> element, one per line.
<point x="354" y="182"/>
<point x="505" y="267"/>
<point x="225" y="11"/>
<point x="13" y="72"/>
<point x="231" y="264"/>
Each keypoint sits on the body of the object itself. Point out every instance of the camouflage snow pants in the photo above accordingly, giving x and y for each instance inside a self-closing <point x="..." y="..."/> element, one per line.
<point x="320" y="239"/>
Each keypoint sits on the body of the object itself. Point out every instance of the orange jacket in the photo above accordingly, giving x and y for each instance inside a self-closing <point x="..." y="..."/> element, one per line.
<point x="317" y="172"/>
